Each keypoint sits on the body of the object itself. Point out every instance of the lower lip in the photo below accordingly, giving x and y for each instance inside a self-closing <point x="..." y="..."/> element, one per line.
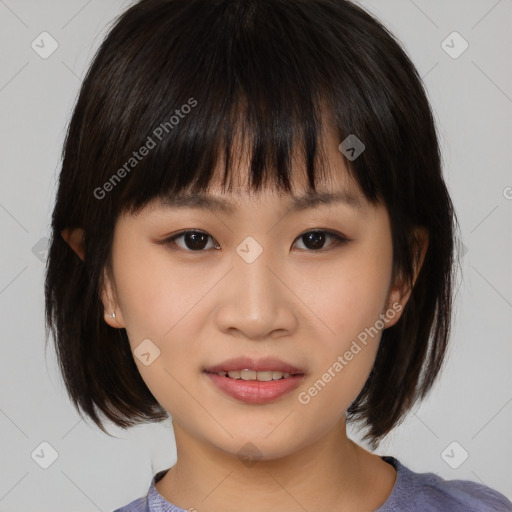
<point x="255" y="391"/>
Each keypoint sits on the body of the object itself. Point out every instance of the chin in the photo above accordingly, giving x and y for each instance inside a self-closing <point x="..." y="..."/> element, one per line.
<point x="260" y="446"/>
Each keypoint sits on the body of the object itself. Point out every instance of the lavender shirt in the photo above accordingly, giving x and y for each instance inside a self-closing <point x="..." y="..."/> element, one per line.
<point x="412" y="492"/>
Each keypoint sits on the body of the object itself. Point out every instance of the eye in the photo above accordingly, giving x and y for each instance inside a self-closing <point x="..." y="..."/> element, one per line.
<point x="197" y="241"/>
<point x="314" y="240"/>
<point x="192" y="241"/>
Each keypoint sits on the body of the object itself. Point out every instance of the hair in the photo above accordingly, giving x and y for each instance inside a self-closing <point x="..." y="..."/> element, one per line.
<point x="278" y="72"/>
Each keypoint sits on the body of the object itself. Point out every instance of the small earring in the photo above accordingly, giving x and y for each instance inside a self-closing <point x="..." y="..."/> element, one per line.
<point x="113" y="315"/>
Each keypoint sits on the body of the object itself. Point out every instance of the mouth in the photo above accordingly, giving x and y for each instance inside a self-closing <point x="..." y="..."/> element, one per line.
<point x="262" y="369"/>
<point x="255" y="381"/>
<point x="252" y="375"/>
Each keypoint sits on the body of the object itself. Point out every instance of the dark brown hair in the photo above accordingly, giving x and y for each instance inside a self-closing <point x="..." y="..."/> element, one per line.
<point x="271" y="68"/>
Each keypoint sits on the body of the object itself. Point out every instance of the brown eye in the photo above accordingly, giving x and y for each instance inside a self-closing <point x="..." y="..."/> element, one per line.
<point x="315" y="240"/>
<point x="197" y="241"/>
<point x="191" y="241"/>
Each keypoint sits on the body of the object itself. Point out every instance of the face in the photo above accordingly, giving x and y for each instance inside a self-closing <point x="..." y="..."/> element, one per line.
<point x="257" y="283"/>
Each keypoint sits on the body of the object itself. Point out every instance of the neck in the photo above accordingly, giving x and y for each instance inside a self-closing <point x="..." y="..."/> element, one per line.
<point x="333" y="471"/>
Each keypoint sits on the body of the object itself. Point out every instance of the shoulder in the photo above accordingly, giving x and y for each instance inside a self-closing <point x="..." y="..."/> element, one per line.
<point x="428" y="492"/>
<point x="153" y="501"/>
<point x="138" y="505"/>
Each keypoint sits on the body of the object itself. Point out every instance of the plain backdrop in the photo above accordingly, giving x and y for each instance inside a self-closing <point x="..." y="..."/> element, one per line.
<point x="466" y="420"/>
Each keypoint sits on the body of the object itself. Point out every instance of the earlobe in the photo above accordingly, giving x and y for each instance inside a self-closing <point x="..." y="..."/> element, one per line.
<point x="111" y="318"/>
<point x="112" y="312"/>
<point x="397" y="300"/>
<point x="75" y="239"/>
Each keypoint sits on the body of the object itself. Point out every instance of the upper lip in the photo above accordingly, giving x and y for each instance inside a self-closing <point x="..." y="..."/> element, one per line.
<point x="248" y="363"/>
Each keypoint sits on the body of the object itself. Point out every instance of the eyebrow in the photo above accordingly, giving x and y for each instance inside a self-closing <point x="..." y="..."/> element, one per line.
<point x="306" y="201"/>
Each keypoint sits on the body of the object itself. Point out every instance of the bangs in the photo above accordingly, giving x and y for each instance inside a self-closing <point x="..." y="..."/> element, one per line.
<point x="187" y="159"/>
<point x="186" y="91"/>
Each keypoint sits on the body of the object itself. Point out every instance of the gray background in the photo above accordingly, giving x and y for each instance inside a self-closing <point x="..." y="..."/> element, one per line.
<point x="471" y="403"/>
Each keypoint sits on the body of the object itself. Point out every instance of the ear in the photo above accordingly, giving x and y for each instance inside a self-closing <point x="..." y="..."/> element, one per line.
<point x="111" y="303"/>
<point x="75" y="239"/>
<point x="401" y="290"/>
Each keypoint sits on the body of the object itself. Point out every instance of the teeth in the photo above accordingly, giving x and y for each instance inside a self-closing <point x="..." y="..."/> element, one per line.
<point x="253" y="375"/>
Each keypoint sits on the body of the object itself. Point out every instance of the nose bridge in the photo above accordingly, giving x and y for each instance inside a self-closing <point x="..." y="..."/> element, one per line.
<point x="254" y="301"/>
<point x="257" y="286"/>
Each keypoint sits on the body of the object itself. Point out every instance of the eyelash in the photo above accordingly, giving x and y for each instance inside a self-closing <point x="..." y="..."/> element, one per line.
<point x="339" y="240"/>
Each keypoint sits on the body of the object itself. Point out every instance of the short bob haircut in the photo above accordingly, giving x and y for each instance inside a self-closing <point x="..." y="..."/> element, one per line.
<point x="188" y="75"/>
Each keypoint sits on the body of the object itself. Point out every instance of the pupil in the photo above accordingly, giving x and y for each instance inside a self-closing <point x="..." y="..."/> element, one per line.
<point x="193" y="238"/>
<point x="317" y="238"/>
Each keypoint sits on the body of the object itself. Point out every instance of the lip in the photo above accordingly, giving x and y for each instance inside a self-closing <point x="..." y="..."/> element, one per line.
<point x="254" y="391"/>
<point x="258" y="365"/>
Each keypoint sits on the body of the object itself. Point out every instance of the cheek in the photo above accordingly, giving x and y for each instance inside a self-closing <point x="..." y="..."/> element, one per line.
<point x="160" y="302"/>
<point x="156" y="296"/>
<point x="348" y="304"/>
<point x="347" y="294"/>
<point x="343" y="358"/>
<point x="157" y="301"/>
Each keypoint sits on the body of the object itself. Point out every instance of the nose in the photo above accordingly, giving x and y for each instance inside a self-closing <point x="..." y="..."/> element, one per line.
<point x="256" y="301"/>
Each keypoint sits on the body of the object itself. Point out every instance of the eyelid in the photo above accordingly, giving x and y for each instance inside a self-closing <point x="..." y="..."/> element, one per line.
<point x="170" y="240"/>
<point x="339" y="240"/>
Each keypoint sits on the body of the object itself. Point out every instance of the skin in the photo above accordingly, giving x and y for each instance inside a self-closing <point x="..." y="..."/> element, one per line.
<point x="303" y="306"/>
